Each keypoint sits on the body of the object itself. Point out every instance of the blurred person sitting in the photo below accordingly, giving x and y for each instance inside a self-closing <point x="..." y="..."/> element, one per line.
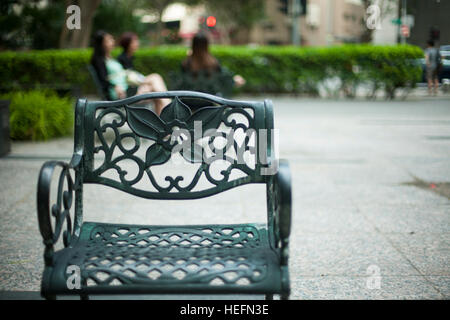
<point x="433" y="64"/>
<point x="129" y="42"/>
<point x="115" y="80"/>
<point x="200" y="60"/>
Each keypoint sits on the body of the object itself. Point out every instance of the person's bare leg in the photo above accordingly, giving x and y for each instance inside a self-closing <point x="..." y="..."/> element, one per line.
<point x="156" y="82"/>
<point x="436" y="86"/>
<point x="146" y="88"/>
<point x="430" y="85"/>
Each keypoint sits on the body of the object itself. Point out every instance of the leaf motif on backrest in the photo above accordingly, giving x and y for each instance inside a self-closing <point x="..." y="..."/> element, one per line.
<point x="176" y="110"/>
<point x="156" y="154"/>
<point x="209" y="116"/>
<point x="144" y="122"/>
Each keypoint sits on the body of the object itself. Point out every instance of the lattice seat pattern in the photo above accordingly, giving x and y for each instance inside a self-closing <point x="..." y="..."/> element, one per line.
<point x="209" y="258"/>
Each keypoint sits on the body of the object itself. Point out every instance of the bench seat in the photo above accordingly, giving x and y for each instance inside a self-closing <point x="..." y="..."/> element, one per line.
<point x="128" y="259"/>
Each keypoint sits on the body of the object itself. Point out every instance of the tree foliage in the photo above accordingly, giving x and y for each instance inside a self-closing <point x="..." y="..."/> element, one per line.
<point x="237" y="16"/>
<point x="32" y="25"/>
<point x="157" y="7"/>
<point x="25" y="24"/>
<point x="116" y="17"/>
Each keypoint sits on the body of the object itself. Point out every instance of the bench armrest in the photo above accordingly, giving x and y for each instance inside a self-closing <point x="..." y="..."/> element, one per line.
<point x="283" y="208"/>
<point x="60" y="211"/>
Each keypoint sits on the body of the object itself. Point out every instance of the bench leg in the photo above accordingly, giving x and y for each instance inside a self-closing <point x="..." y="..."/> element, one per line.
<point x="84" y="297"/>
<point x="50" y="297"/>
<point x="269" y="296"/>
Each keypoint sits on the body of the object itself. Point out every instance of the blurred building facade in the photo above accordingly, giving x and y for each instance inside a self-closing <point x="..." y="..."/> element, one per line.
<point x="388" y="31"/>
<point x="426" y="20"/>
<point x="326" y="22"/>
<point x="431" y="21"/>
<point x="330" y="22"/>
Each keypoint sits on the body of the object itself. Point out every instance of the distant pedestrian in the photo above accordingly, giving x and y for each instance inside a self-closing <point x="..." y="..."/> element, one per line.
<point x="433" y="62"/>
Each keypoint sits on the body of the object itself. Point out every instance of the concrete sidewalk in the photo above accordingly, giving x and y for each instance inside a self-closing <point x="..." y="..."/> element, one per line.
<point x="371" y="208"/>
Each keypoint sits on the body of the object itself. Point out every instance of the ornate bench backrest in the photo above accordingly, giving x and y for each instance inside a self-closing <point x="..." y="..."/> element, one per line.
<point x="180" y="154"/>
<point x="218" y="83"/>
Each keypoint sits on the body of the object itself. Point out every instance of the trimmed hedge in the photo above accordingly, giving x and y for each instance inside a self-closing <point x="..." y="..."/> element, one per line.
<point x="266" y="69"/>
<point x="39" y="115"/>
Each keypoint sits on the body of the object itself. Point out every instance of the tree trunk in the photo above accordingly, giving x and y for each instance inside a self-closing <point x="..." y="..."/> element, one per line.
<point x="367" y="36"/>
<point x="159" y="27"/>
<point x="160" y="6"/>
<point x="79" y="38"/>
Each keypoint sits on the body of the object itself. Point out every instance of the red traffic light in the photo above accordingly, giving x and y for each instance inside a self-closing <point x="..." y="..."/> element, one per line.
<point x="211" y="21"/>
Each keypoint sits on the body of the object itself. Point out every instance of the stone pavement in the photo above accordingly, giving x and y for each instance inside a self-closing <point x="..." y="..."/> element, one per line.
<point x="363" y="225"/>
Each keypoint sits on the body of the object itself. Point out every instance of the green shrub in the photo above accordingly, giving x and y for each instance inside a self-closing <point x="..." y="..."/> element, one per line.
<point x="39" y="115"/>
<point x="266" y="69"/>
<point x="53" y="68"/>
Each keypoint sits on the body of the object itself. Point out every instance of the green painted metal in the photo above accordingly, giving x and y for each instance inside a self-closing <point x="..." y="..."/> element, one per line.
<point x="112" y="258"/>
<point x="218" y="83"/>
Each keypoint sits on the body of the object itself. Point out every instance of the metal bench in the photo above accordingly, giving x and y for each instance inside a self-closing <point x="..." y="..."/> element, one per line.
<point x="145" y="259"/>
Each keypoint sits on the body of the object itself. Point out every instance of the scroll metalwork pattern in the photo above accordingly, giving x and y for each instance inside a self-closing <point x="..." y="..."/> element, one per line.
<point x="142" y="126"/>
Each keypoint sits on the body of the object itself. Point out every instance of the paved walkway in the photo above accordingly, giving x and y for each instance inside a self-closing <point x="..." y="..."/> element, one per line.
<point x="368" y="222"/>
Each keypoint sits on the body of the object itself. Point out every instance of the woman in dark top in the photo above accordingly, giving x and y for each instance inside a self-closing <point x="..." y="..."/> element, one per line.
<point x="113" y="77"/>
<point x="200" y="60"/>
<point x="129" y="41"/>
<point x="102" y="44"/>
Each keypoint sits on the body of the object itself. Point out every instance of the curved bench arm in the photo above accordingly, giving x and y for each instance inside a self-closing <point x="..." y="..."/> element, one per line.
<point x="60" y="210"/>
<point x="283" y="208"/>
